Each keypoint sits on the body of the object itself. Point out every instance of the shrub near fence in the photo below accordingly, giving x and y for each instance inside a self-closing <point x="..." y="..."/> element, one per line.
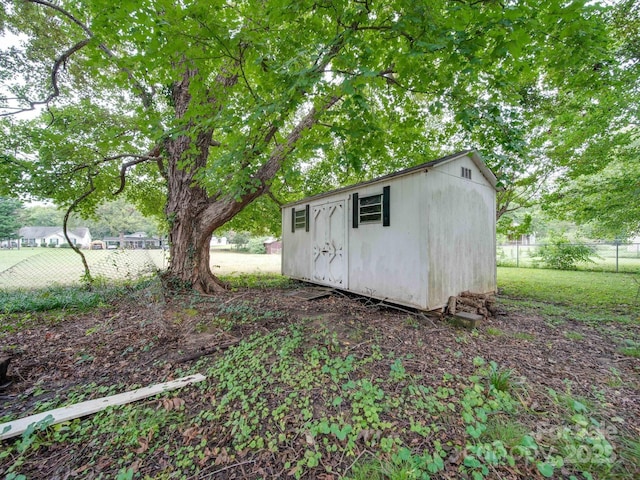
<point x="609" y="257"/>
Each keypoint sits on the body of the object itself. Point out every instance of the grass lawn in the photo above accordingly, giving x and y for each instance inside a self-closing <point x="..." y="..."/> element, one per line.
<point x="608" y="291"/>
<point x="44" y="267"/>
<point x="603" y="260"/>
<point x="8" y="258"/>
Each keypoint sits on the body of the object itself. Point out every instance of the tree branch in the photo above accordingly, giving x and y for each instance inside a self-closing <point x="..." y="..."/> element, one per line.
<point x="272" y="165"/>
<point x="272" y="197"/>
<point x="74" y="204"/>
<point x="222" y="209"/>
<point x="126" y="166"/>
<point x="145" y="97"/>
<point x="54" y="78"/>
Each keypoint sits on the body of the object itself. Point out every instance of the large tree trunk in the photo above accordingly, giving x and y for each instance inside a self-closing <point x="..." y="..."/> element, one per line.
<point x="192" y="214"/>
<point x="188" y="237"/>
<point x="186" y="201"/>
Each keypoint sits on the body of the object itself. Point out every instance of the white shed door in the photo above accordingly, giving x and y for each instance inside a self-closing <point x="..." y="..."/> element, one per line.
<point x="328" y="244"/>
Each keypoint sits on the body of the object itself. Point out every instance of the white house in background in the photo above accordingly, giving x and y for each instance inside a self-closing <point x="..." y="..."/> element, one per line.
<point x="133" y="241"/>
<point x="218" y="241"/>
<point x="414" y="237"/>
<point x="41" y="236"/>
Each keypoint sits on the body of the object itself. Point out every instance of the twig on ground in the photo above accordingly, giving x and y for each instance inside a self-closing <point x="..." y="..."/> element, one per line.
<point x="355" y="461"/>
<point x="228" y="467"/>
<point x="215" y="349"/>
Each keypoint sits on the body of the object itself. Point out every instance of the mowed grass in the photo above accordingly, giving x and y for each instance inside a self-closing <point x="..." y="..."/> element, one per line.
<point x="608" y="293"/>
<point x="8" y="258"/>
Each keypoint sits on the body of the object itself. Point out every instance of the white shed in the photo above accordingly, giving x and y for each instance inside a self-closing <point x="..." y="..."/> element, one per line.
<point x="414" y="237"/>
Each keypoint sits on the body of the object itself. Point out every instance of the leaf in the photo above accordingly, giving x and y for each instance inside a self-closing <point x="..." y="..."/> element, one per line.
<point x="144" y="445"/>
<point x="309" y="439"/>
<point x="172" y="403"/>
<point x="529" y="442"/>
<point x="190" y="434"/>
<point x="471" y="461"/>
<point x="222" y="457"/>
<point x="546" y="469"/>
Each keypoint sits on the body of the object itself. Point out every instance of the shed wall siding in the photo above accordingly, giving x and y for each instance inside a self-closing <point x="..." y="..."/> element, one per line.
<point x="460" y="232"/>
<point x="391" y="262"/>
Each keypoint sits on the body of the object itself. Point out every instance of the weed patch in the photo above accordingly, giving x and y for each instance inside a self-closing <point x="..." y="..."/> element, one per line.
<point x="67" y="298"/>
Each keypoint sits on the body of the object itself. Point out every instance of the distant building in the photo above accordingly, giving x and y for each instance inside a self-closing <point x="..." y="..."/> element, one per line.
<point x="273" y="246"/>
<point x="53" y="236"/>
<point x="133" y="241"/>
<point x="218" y="241"/>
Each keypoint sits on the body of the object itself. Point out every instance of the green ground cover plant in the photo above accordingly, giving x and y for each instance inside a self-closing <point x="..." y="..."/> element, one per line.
<point x="265" y="395"/>
<point x="300" y="398"/>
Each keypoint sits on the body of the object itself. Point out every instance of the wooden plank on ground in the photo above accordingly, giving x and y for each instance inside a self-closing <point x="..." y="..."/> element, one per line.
<point x="70" y="412"/>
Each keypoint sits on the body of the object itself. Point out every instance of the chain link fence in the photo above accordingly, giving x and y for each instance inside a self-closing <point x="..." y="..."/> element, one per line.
<point x="610" y="257"/>
<point x="44" y="267"/>
<point x="37" y="267"/>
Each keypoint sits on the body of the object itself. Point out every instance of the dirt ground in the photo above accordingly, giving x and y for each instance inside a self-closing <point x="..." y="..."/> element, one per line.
<point x="141" y="340"/>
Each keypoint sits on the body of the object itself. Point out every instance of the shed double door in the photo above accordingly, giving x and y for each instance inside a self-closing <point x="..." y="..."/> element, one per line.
<point x="329" y="253"/>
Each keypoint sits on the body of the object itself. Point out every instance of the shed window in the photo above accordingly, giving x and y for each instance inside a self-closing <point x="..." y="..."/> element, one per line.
<point x="372" y="208"/>
<point x="466" y="173"/>
<point x="300" y="219"/>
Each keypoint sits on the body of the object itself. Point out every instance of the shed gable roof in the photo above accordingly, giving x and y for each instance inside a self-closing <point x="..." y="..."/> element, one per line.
<point x="473" y="154"/>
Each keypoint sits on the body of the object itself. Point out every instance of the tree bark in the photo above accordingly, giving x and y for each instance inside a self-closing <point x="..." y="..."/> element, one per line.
<point x="186" y="200"/>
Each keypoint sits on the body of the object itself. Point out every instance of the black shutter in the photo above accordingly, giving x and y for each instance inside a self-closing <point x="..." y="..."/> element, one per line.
<point x="355" y="207"/>
<point x="306" y="216"/>
<point x="293" y="220"/>
<point x="386" y="220"/>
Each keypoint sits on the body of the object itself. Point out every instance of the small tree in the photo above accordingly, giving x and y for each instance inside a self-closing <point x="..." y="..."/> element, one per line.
<point x="9" y="219"/>
<point x="560" y="254"/>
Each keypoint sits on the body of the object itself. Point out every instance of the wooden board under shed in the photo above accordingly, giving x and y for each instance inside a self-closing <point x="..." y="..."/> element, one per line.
<point x="310" y="293"/>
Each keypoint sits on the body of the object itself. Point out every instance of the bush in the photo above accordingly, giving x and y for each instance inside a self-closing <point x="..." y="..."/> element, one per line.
<point x="256" y="245"/>
<point x="563" y="255"/>
<point x="240" y="240"/>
